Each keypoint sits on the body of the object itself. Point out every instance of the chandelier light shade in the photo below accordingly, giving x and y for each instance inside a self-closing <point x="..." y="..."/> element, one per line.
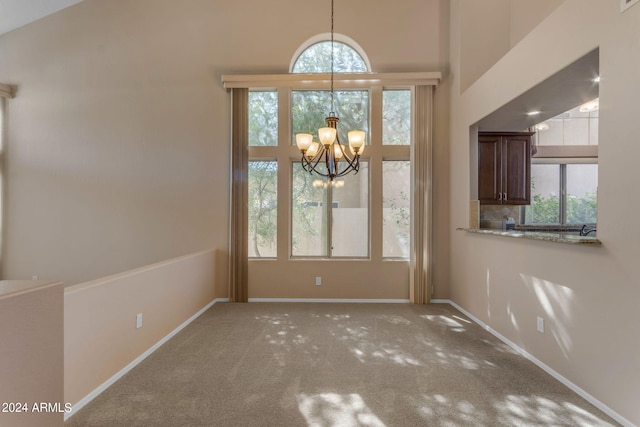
<point x="330" y="152"/>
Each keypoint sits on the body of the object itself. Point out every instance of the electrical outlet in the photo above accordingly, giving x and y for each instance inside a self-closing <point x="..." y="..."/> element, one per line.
<point x="540" y="325"/>
<point x="318" y="281"/>
<point x="139" y="320"/>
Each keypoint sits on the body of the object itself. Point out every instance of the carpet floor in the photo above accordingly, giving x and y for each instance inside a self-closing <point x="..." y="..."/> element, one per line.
<point x="323" y="364"/>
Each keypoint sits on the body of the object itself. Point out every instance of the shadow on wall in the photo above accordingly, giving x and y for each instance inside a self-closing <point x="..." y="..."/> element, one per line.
<point x="556" y="302"/>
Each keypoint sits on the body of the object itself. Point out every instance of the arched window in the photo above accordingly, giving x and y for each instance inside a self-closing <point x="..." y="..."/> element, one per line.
<point x="317" y="59"/>
<point x="329" y="222"/>
<point x="340" y="215"/>
<point x="295" y="220"/>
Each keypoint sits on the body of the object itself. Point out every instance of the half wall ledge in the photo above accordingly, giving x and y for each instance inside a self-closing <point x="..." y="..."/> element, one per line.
<point x="539" y="235"/>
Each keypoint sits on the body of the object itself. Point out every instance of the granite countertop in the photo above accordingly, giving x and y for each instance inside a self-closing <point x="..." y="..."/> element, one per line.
<point x="549" y="236"/>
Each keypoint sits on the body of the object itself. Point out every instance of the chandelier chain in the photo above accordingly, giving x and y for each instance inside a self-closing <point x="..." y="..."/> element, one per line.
<point x="331" y="151"/>
<point x="332" y="60"/>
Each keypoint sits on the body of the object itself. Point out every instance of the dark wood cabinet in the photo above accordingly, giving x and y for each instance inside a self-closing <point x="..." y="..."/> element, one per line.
<point x="504" y="168"/>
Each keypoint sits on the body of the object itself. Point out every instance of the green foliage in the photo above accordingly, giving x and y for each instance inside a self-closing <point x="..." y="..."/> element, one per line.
<point x="309" y="108"/>
<point x="396" y="117"/>
<point x="546" y="210"/>
<point x="317" y="59"/>
<point x="543" y="210"/>
<point x="263" y="118"/>
<point x="582" y="210"/>
<point x="262" y="205"/>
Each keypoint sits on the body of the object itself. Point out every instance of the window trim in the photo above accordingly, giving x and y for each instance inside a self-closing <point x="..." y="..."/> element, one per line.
<point x="323" y="80"/>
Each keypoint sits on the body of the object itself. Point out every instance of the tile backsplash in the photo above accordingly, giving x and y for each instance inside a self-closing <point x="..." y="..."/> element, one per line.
<point x="498" y="212"/>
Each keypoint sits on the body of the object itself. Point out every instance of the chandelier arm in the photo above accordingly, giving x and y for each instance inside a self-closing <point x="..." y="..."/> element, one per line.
<point x="306" y="165"/>
<point x="314" y="170"/>
<point x="351" y="166"/>
<point x="344" y="153"/>
<point x="355" y="169"/>
<point x="310" y="165"/>
<point x="321" y="155"/>
<point x="317" y="172"/>
<point x="350" y="160"/>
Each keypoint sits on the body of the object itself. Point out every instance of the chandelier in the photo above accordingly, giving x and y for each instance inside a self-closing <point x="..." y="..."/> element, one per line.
<point x="330" y="151"/>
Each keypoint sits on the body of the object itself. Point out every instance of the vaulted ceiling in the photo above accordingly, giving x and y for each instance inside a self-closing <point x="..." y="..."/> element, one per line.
<point x="566" y="89"/>
<point x="16" y="13"/>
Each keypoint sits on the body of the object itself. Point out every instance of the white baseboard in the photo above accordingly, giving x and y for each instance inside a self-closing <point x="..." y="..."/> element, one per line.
<point x="102" y="387"/>
<point x="582" y="393"/>
<point x="386" y="301"/>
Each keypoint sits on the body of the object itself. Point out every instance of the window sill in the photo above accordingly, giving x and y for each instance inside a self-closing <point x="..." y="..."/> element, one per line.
<point x="539" y="235"/>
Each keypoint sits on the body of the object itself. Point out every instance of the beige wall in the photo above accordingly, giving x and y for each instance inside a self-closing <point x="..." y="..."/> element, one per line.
<point x="340" y="279"/>
<point x="484" y="33"/>
<point x="118" y="138"/>
<point x="117" y="144"/>
<point x="588" y="296"/>
<point x="100" y="334"/>
<point x="490" y="28"/>
<point x="31" y="352"/>
<point x="526" y="15"/>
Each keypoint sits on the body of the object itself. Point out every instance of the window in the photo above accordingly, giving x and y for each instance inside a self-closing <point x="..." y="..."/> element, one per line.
<point x="308" y="214"/>
<point x="263" y="118"/>
<point x="309" y="108"/>
<point x="350" y="215"/>
<point x="262" y="207"/>
<point x="262" y="176"/>
<point x="396" y="117"/>
<point x="581" y="193"/>
<point x="317" y="59"/>
<point x="330" y="220"/>
<point x="396" y="174"/>
<point x="325" y="220"/>
<point x="396" y="208"/>
<point x="545" y="195"/>
<point x="563" y="193"/>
